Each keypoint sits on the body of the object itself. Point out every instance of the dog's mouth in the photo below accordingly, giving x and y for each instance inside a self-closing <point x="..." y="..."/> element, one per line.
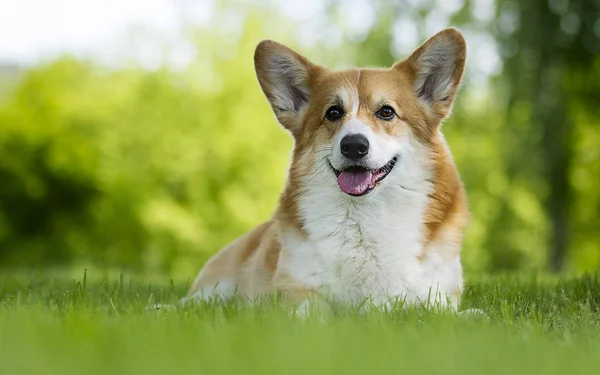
<point x="357" y="180"/>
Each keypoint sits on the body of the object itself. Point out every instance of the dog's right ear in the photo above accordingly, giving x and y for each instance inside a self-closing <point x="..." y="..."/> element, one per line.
<point x="284" y="76"/>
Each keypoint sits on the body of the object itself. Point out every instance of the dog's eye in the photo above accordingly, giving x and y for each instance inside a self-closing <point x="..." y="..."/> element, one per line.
<point x="334" y="113"/>
<point x="386" y="113"/>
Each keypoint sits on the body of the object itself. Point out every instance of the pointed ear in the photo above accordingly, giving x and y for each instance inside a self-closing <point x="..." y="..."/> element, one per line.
<point x="436" y="68"/>
<point x="284" y="77"/>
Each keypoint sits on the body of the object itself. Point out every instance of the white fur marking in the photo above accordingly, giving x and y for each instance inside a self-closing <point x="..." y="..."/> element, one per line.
<point x="349" y="99"/>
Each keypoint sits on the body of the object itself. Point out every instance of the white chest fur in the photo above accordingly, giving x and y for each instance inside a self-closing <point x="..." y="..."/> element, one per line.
<point x="368" y="247"/>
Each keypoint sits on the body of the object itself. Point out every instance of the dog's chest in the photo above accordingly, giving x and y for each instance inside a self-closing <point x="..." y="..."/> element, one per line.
<point x="354" y="252"/>
<point x="362" y="260"/>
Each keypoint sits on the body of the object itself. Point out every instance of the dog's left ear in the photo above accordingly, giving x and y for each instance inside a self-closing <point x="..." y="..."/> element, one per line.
<point x="436" y="68"/>
<point x="284" y="77"/>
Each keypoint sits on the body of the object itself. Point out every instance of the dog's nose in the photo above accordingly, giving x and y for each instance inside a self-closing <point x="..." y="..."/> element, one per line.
<point x="355" y="146"/>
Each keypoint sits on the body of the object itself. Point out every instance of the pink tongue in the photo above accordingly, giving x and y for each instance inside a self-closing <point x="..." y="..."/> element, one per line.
<point x="355" y="182"/>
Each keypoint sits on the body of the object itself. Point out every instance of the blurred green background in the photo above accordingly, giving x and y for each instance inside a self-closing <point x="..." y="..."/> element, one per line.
<point x="153" y="169"/>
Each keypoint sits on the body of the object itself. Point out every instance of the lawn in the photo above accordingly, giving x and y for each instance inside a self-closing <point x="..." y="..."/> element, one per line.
<point x="54" y="325"/>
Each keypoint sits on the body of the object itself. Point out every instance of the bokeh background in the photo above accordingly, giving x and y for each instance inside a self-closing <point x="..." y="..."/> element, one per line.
<point x="134" y="135"/>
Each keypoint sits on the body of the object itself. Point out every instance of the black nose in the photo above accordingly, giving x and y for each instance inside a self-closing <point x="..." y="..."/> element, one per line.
<point x="355" y="146"/>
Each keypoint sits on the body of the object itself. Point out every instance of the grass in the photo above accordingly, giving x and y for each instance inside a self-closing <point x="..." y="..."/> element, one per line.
<point x="57" y="326"/>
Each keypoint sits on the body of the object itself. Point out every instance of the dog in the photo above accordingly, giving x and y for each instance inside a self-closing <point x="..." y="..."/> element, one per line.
<point x="373" y="207"/>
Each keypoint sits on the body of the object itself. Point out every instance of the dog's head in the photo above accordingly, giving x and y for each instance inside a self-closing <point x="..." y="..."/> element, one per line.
<point x="356" y="125"/>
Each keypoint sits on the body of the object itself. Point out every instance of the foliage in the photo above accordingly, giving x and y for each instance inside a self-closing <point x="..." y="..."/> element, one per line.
<point x="130" y="167"/>
<point x="157" y="169"/>
<point x="547" y="46"/>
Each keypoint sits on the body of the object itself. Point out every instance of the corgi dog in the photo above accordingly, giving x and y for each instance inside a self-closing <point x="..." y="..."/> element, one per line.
<point x="373" y="207"/>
